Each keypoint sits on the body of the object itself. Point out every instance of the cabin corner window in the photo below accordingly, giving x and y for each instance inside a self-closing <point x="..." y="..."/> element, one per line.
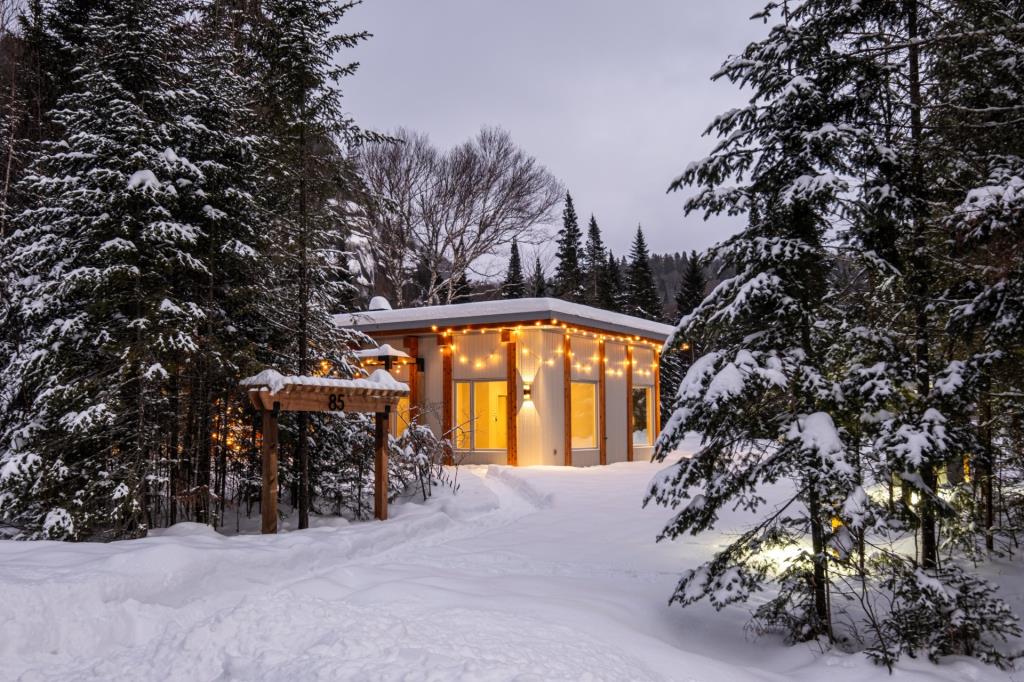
<point x="643" y="416"/>
<point x="583" y="420"/>
<point x="480" y="415"/>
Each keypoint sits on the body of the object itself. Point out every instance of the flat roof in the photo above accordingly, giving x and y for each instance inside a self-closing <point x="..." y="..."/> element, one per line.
<point x="516" y="310"/>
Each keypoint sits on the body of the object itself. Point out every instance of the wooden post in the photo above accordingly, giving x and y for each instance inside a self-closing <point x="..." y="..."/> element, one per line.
<point x="268" y="493"/>
<point x="512" y="401"/>
<point x="446" y="396"/>
<point x="412" y="347"/>
<point x="567" y="400"/>
<point x="629" y="403"/>
<point x="656" y="407"/>
<point x="602" y="409"/>
<point x="380" y="466"/>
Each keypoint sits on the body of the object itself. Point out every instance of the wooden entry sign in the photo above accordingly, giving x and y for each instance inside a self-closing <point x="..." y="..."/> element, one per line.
<point x="272" y="393"/>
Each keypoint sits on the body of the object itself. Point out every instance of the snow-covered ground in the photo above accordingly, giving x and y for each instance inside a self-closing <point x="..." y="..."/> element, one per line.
<point x="526" y="574"/>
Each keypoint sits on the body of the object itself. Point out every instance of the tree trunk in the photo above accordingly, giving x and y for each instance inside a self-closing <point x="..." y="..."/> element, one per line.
<point x="823" y="626"/>
<point x="919" y="276"/>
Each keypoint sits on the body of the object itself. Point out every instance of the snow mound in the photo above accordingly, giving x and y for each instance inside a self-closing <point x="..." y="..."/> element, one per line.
<point x="521" y="486"/>
<point x="187" y="529"/>
<point x="379" y="303"/>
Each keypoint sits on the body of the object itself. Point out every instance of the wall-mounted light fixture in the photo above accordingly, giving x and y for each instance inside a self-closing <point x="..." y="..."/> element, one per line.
<point x="527" y="392"/>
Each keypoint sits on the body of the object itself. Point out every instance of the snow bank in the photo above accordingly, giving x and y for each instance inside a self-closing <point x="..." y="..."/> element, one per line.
<point x="542" y="573"/>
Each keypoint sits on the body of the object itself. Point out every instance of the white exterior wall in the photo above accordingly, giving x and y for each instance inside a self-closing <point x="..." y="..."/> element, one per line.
<point x="615" y="400"/>
<point x="430" y="389"/>
<point x="540" y="422"/>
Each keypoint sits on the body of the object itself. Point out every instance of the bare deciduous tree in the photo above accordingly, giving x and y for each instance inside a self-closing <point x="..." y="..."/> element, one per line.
<point x="437" y="217"/>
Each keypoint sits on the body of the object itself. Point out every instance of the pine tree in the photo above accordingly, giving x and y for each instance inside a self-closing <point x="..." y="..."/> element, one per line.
<point x="297" y="49"/>
<point x="611" y="293"/>
<point x="642" y="299"/>
<point x="594" y="264"/>
<point x="854" y="385"/>
<point x="569" y="283"/>
<point x="514" y="286"/>
<point x="538" y="284"/>
<point x="137" y="206"/>
<point x="692" y="286"/>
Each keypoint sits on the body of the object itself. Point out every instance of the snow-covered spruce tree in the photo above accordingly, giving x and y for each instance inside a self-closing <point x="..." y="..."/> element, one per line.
<point x="594" y="264"/>
<point x="297" y="47"/>
<point x="107" y="260"/>
<point x="642" y="298"/>
<point x="538" y="283"/>
<point x="514" y="286"/>
<point x="838" y="125"/>
<point x="568" y="282"/>
<point x="613" y="294"/>
<point x="692" y="286"/>
<point x="915" y="388"/>
<point x="674" y="361"/>
<point x="761" y="395"/>
<point x="988" y="223"/>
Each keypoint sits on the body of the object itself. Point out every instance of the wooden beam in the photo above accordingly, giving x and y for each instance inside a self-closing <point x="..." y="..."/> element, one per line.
<point x="322" y="402"/>
<point x="629" y="403"/>
<point x="525" y="324"/>
<point x="380" y="466"/>
<point x="512" y="401"/>
<point x="268" y="493"/>
<point x="602" y="403"/>
<point x="567" y="396"/>
<point x="656" y="414"/>
<point x="446" y="396"/>
<point x="412" y="347"/>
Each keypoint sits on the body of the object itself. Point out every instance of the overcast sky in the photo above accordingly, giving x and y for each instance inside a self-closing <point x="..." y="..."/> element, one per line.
<point x="611" y="96"/>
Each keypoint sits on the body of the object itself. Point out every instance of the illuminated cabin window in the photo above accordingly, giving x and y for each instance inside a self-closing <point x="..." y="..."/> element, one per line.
<point x="584" y="414"/>
<point x="643" y="416"/>
<point x="402" y="416"/>
<point x="480" y="414"/>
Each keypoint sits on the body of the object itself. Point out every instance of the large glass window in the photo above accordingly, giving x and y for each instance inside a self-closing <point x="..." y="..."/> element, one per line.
<point x="480" y="415"/>
<point x="583" y="420"/>
<point x="643" y="416"/>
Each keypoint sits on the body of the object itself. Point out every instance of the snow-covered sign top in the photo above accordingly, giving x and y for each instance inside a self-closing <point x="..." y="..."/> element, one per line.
<point x="386" y="350"/>
<point x="510" y="311"/>
<point x="378" y="383"/>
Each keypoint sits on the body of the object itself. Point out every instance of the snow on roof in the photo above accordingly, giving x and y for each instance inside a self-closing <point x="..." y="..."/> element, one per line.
<point x="276" y="382"/>
<point x="506" y="310"/>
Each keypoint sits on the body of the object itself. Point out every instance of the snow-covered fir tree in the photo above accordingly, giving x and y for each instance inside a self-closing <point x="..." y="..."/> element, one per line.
<point x="568" y="282"/>
<point x="514" y="285"/>
<point x="849" y="390"/>
<point x="538" y="285"/>
<point x="642" y="298"/>
<point x="594" y="260"/>
<point x="692" y="286"/>
<point x="135" y="208"/>
<point x="298" y="48"/>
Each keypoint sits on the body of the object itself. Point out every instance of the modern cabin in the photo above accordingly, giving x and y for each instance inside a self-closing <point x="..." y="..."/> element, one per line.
<point x="523" y="381"/>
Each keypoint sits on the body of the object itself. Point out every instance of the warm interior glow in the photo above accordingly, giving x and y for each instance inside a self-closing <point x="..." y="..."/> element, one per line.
<point x="583" y="420"/>
<point x="643" y="416"/>
<point x="480" y="409"/>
